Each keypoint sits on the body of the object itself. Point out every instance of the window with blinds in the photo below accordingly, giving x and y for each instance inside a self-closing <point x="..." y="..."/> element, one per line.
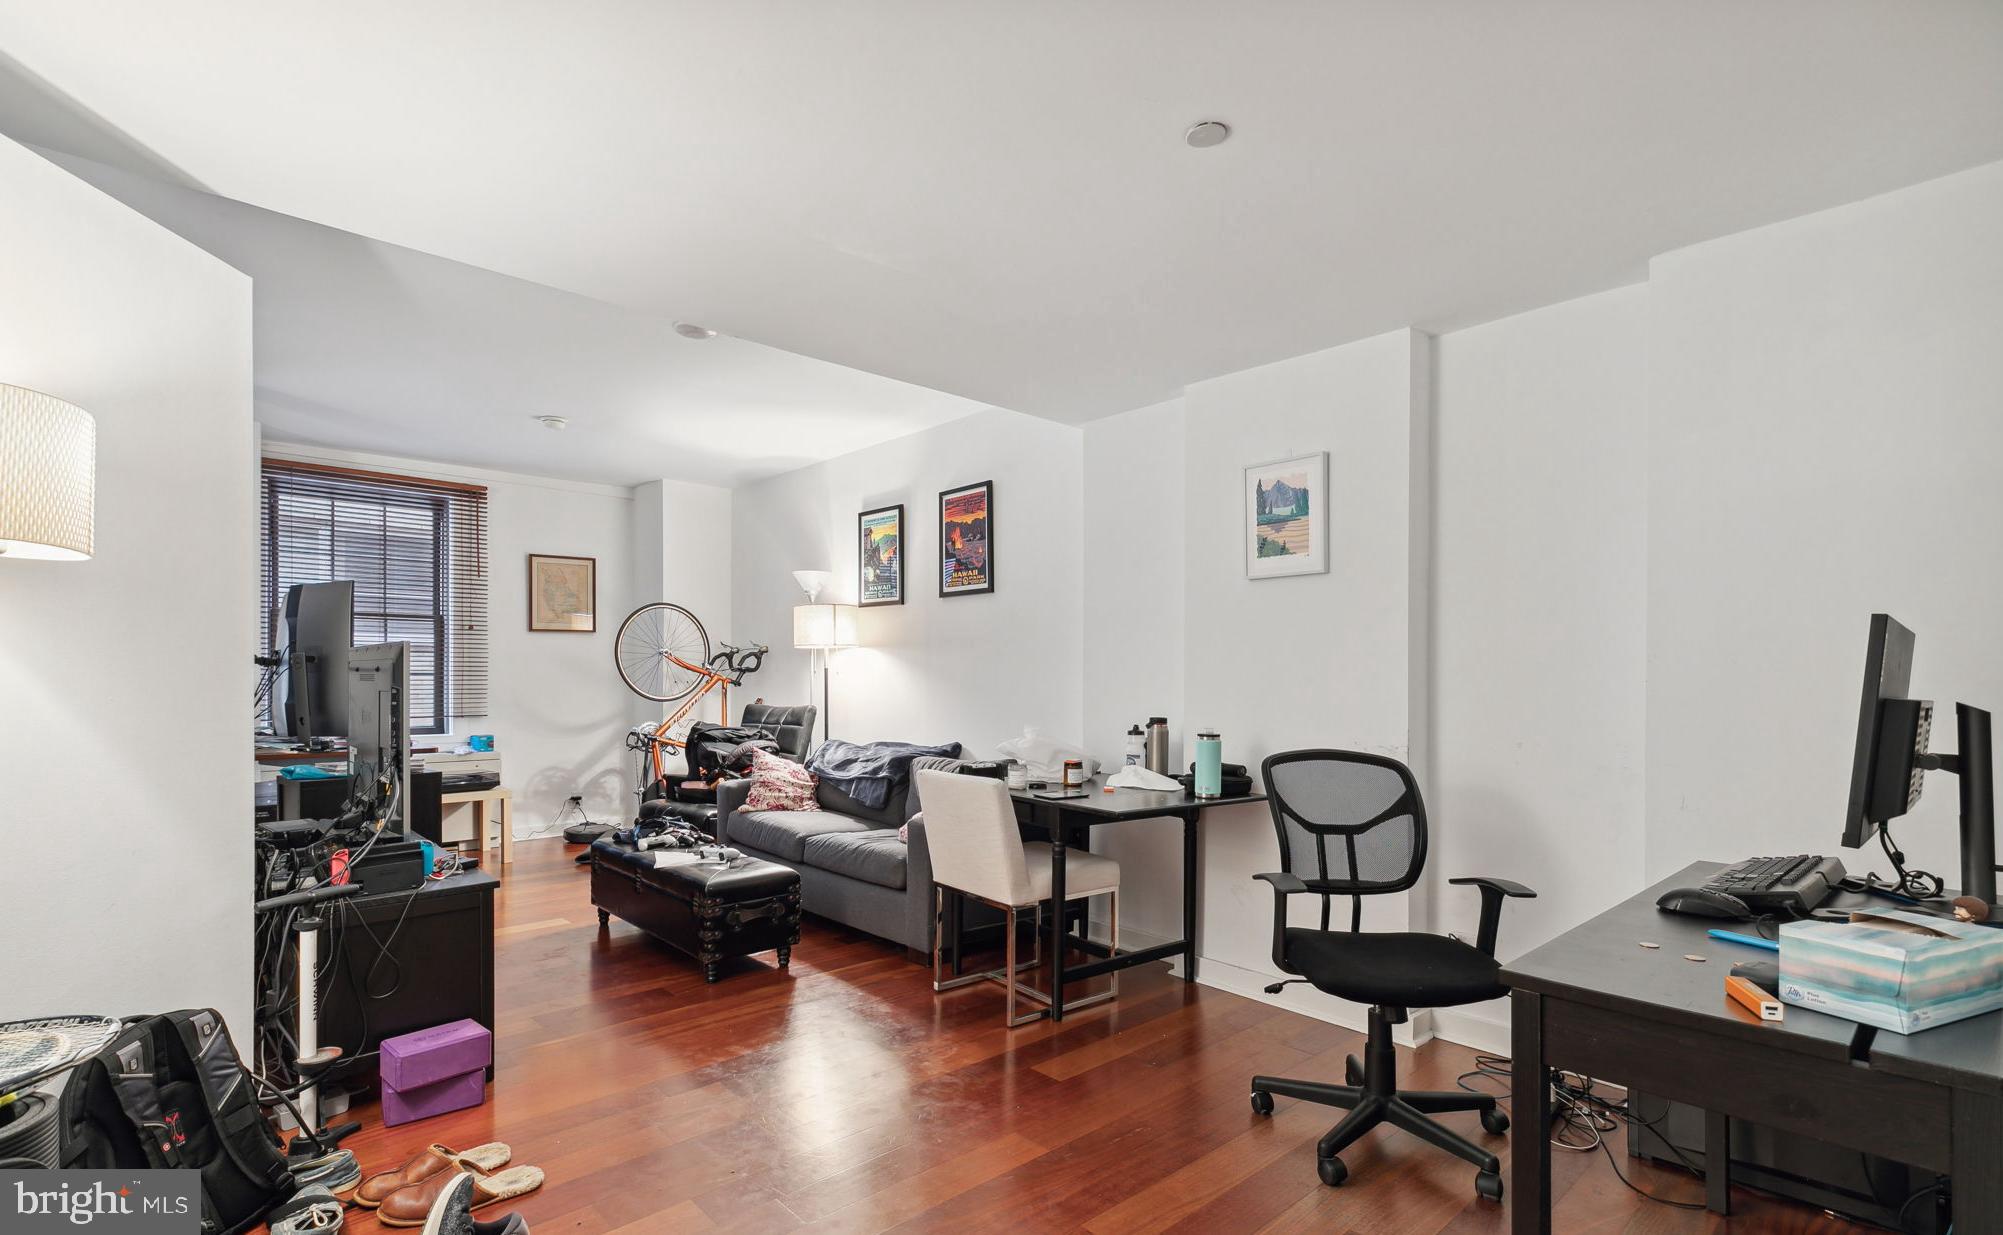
<point x="416" y="551"/>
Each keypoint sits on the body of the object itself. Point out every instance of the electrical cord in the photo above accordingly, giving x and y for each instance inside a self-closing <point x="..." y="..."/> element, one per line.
<point x="1918" y="884"/>
<point x="1581" y="1117"/>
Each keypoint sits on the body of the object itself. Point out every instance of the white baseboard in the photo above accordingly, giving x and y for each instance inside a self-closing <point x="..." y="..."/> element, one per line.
<point x="1456" y="1025"/>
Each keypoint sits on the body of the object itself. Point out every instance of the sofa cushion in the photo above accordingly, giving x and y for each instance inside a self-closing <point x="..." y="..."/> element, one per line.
<point x="892" y="814"/>
<point x="784" y="833"/>
<point x="873" y="857"/>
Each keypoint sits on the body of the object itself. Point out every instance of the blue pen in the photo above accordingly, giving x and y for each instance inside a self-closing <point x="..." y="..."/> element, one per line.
<point x="1750" y="940"/>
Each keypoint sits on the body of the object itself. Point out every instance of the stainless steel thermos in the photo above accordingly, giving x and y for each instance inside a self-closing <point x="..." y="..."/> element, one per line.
<point x="1158" y="744"/>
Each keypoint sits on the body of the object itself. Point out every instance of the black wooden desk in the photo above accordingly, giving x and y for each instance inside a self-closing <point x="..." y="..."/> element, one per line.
<point x="1099" y="806"/>
<point x="1595" y="1001"/>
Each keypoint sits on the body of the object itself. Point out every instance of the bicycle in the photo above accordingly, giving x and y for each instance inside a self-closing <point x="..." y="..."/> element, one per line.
<point x="663" y="655"/>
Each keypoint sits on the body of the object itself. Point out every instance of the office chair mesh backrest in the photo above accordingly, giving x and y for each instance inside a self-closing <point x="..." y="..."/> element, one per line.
<point x="1350" y="824"/>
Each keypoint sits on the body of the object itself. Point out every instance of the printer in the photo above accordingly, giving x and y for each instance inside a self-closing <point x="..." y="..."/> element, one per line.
<point x="461" y="771"/>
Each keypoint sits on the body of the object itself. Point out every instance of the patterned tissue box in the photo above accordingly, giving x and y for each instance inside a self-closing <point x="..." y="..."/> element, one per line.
<point x="1895" y="969"/>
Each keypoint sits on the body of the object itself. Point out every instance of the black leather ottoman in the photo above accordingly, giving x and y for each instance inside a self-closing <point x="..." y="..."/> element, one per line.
<point x="709" y="910"/>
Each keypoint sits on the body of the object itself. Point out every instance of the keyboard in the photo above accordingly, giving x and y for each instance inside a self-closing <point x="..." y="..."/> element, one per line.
<point x="1787" y="885"/>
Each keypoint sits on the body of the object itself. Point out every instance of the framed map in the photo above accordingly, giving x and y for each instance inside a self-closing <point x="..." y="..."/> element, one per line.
<point x="1286" y="517"/>
<point x="563" y="593"/>
<point x="881" y="556"/>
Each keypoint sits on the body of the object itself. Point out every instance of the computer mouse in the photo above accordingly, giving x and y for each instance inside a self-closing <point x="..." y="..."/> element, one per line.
<point x="1704" y="903"/>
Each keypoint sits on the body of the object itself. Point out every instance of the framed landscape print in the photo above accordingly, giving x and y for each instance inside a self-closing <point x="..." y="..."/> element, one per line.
<point x="563" y="593"/>
<point x="966" y="539"/>
<point x="882" y="556"/>
<point x="1286" y="517"/>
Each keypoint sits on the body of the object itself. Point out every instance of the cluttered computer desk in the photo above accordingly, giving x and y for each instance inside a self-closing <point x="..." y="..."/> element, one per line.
<point x="1894" y="1051"/>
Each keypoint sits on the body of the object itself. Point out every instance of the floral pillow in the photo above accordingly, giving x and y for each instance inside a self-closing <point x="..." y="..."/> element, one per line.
<point x="779" y="784"/>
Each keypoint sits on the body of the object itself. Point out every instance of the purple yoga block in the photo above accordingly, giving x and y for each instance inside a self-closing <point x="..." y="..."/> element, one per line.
<point x="428" y="1056"/>
<point x="402" y="1106"/>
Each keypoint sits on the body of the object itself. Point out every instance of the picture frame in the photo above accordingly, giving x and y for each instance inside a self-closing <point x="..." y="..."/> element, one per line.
<point x="880" y="546"/>
<point x="563" y="594"/>
<point x="1286" y="517"/>
<point x="966" y="539"/>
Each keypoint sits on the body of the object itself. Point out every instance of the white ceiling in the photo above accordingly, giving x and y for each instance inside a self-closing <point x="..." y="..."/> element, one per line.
<point x="994" y="199"/>
<point x="366" y="346"/>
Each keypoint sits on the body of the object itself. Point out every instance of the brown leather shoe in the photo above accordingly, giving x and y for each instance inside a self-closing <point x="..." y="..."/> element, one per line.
<point x="412" y="1204"/>
<point x="431" y="1162"/>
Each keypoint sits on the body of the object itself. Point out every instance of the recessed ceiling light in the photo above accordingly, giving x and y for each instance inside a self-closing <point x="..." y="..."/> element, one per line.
<point x="1207" y="133"/>
<point x="553" y="422"/>
<point x="689" y="330"/>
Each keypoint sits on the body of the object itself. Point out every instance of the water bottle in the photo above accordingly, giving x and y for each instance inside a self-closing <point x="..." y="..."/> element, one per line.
<point x="1157" y="744"/>
<point x="1209" y="765"/>
<point x="1137" y="747"/>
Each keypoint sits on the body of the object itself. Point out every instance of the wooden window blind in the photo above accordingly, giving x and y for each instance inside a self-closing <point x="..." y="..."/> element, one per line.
<point x="417" y="552"/>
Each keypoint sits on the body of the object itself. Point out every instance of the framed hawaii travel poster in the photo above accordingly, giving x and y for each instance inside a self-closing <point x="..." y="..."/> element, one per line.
<point x="966" y="539"/>
<point x="1286" y="517"/>
<point x="882" y="557"/>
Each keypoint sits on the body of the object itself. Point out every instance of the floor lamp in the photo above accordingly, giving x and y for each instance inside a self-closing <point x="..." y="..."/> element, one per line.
<point x="822" y="629"/>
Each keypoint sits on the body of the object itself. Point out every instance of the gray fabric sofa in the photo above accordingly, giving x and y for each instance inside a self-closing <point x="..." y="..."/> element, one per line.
<point x="853" y="868"/>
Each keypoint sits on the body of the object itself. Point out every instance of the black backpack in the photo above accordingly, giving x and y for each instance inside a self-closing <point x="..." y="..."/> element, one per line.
<point x="169" y="1091"/>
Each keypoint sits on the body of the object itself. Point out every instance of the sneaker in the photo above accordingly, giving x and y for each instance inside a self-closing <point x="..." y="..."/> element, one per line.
<point x="312" y="1209"/>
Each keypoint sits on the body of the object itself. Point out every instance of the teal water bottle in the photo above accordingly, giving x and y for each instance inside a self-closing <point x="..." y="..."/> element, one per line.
<point x="1209" y="765"/>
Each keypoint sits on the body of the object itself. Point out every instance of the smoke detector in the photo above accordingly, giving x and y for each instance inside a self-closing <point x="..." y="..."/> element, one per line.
<point x="559" y="423"/>
<point x="689" y="330"/>
<point x="1207" y="133"/>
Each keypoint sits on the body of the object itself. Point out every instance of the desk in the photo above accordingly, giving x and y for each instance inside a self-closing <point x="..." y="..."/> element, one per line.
<point x="399" y="961"/>
<point x="1594" y="1001"/>
<point x="1059" y="816"/>
<point x="481" y="799"/>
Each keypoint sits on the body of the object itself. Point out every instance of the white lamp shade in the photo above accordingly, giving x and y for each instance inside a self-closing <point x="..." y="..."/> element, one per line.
<point x="822" y="627"/>
<point x="48" y="477"/>
<point x="811" y="582"/>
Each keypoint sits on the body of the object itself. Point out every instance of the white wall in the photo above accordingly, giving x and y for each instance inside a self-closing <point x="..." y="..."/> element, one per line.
<point x="1825" y="441"/>
<point x="1133" y="630"/>
<point x="682" y="554"/>
<point x="972" y="669"/>
<point x="125" y="881"/>
<point x="557" y="708"/>
<point x="1311" y="660"/>
<point x="1539" y="608"/>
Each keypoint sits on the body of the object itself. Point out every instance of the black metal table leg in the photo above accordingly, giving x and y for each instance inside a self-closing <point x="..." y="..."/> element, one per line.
<point x="1052" y="820"/>
<point x="1189" y="875"/>
<point x="1717" y="1162"/>
<point x="1978" y="1186"/>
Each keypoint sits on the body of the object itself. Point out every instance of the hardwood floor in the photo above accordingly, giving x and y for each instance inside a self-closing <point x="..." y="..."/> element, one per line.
<point x="846" y="1097"/>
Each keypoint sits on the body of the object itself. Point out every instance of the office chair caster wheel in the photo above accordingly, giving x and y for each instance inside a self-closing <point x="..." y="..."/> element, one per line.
<point x="1489" y="1184"/>
<point x="1493" y="1120"/>
<point x="1262" y="1102"/>
<point x="1333" y="1172"/>
<point x="1352" y="1071"/>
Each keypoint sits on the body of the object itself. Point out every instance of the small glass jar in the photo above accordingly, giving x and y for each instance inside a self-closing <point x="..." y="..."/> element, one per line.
<point x="1074" y="773"/>
<point x="1018" y="774"/>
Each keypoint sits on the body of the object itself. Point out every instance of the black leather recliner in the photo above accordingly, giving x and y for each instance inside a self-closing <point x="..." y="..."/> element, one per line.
<point x="790" y="725"/>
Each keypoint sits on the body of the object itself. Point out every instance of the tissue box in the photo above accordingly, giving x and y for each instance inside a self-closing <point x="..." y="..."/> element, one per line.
<point x="1895" y="969"/>
<point x="432" y="1071"/>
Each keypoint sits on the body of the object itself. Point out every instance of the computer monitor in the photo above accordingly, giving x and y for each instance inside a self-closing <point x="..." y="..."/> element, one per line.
<point x="316" y="627"/>
<point x="378" y="727"/>
<point x="1892" y="758"/>
<point x="1888" y="673"/>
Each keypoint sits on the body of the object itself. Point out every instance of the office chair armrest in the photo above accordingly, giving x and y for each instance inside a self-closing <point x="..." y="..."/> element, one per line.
<point x="1492" y="892"/>
<point x="1284" y="885"/>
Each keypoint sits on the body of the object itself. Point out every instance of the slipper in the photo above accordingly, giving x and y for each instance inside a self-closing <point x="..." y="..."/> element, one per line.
<point x="413" y="1205"/>
<point x="428" y="1163"/>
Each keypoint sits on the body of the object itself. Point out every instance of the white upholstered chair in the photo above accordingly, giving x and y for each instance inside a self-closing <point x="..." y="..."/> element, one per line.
<point x="976" y="851"/>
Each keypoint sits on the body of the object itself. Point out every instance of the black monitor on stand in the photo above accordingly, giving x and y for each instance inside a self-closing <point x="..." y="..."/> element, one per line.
<point x="1892" y="759"/>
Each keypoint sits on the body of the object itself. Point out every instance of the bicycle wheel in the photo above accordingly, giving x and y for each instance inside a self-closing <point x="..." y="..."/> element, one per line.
<point x="651" y="634"/>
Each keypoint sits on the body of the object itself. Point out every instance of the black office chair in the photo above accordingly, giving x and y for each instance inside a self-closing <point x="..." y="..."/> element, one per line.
<point x="1352" y="824"/>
